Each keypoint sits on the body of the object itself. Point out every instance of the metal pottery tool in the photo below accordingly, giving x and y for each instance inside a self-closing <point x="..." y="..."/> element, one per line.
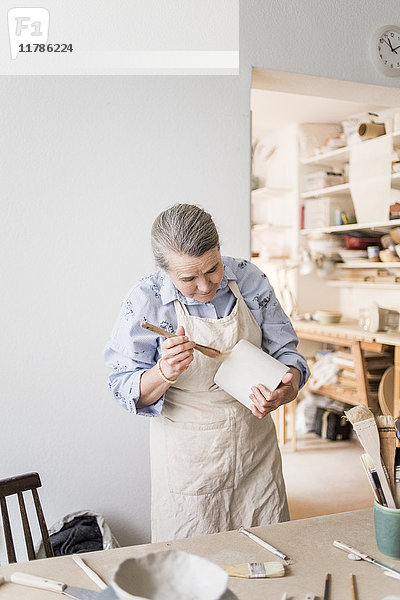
<point x="108" y="594"/>
<point x="255" y="570"/>
<point x="365" y="557"/>
<point x="265" y="545"/>
<point x="206" y="350"/>
<point x="53" y="586"/>
<point x="389" y="574"/>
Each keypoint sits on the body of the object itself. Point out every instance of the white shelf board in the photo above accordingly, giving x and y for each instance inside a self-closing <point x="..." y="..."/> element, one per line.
<point x="332" y="190"/>
<point x="338" y="152"/>
<point x="262" y="226"/>
<point x="363" y="284"/>
<point x="343" y="188"/>
<point x="385" y="225"/>
<point x="369" y="265"/>
<point x="264" y="192"/>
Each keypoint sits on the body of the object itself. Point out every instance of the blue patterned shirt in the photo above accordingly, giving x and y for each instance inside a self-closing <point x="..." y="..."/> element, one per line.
<point x="131" y="350"/>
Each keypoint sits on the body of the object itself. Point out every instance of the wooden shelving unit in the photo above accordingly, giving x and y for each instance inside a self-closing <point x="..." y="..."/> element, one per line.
<point x="363" y="284"/>
<point x="339" y="393"/>
<point x="370" y="265"/>
<point x="349" y="335"/>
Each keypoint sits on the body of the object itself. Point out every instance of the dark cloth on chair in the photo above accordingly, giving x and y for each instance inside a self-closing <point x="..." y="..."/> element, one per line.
<point x="82" y="534"/>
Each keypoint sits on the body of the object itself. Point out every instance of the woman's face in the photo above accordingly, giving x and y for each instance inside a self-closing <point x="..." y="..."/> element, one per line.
<point x="197" y="277"/>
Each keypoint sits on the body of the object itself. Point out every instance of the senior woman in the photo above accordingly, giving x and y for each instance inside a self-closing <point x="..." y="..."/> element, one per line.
<point x="214" y="464"/>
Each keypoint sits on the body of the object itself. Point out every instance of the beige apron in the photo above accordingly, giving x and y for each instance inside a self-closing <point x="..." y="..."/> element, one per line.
<point x="214" y="465"/>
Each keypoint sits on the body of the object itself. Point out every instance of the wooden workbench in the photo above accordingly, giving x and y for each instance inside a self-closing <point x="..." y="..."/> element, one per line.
<point x="308" y="542"/>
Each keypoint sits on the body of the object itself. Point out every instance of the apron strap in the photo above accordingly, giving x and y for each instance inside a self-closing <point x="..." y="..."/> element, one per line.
<point x="233" y="286"/>
<point x="181" y="310"/>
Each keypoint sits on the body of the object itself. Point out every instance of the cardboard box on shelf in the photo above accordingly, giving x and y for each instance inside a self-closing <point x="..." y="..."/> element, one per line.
<point x="324" y="212"/>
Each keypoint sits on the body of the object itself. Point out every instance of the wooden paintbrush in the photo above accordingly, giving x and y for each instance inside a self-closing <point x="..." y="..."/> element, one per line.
<point x="206" y="350"/>
<point x="255" y="570"/>
<point x="353" y="587"/>
<point x="327" y="586"/>
<point x="373" y="478"/>
<point x="387" y="436"/>
<point x="365" y="426"/>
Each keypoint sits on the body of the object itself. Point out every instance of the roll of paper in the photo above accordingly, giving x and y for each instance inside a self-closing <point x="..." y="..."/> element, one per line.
<point x="371" y="130"/>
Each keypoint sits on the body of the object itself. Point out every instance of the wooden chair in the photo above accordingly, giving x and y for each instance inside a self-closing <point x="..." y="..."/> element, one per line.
<point x="18" y="485"/>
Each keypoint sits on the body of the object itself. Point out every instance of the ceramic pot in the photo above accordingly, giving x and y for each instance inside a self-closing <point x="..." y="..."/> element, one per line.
<point x="387" y="530"/>
<point x="169" y="575"/>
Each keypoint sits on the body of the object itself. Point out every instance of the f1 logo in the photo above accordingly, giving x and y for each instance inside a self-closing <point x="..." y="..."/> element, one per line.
<point x="27" y="25"/>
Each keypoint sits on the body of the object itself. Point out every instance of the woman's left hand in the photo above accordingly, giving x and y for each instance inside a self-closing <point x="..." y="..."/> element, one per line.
<point x="265" y="401"/>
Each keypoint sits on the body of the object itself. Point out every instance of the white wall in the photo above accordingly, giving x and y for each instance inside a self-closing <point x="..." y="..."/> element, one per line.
<point x="86" y="164"/>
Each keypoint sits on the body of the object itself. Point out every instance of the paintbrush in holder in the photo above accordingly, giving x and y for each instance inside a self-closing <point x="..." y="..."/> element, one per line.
<point x="365" y="426"/>
<point x="387" y="436"/>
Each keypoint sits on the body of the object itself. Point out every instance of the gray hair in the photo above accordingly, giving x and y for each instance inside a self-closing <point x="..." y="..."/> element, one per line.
<point x="182" y="229"/>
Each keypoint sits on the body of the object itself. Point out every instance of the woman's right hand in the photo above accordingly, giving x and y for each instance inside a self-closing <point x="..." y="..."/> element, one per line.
<point x="177" y="354"/>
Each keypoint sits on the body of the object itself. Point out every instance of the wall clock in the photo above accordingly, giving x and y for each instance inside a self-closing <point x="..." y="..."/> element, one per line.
<point x="386" y="50"/>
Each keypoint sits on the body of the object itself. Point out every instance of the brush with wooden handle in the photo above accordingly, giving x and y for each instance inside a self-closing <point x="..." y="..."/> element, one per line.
<point x="206" y="350"/>
<point x="365" y="426"/>
<point x="255" y="570"/>
<point x="387" y="436"/>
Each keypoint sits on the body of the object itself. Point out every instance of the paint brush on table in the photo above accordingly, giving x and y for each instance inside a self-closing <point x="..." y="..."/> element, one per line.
<point x="327" y="586"/>
<point x="265" y="545"/>
<point x="255" y="570"/>
<point x="353" y="587"/>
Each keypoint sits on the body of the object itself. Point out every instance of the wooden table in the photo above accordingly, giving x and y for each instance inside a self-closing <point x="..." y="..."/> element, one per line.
<point x="308" y="542"/>
<point x="348" y="333"/>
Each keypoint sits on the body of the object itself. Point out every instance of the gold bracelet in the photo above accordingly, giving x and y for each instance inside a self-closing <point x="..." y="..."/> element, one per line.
<point x="162" y="374"/>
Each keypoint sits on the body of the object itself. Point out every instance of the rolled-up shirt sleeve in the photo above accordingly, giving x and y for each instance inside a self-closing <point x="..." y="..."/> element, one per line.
<point x="132" y="350"/>
<point x="279" y="339"/>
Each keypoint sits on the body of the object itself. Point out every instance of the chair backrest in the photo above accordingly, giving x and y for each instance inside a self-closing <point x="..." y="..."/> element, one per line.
<point x="18" y="485"/>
